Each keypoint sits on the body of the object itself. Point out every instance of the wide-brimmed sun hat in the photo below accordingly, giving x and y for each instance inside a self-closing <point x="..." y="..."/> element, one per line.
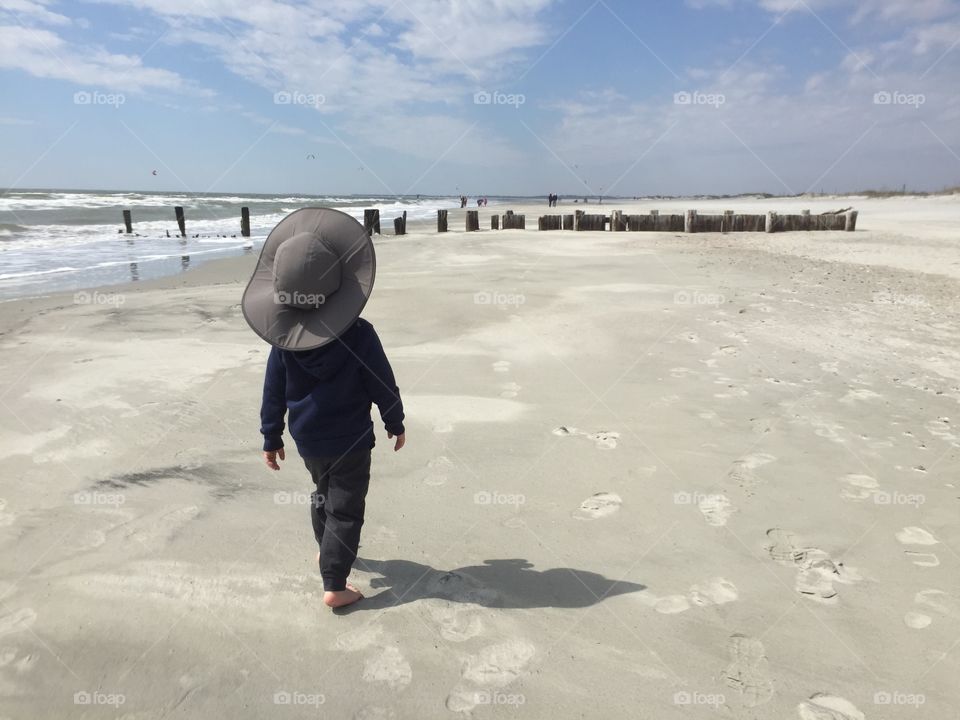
<point x="313" y="278"/>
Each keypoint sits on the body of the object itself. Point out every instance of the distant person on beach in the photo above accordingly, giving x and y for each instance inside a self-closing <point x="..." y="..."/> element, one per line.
<point x="326" y="368"/>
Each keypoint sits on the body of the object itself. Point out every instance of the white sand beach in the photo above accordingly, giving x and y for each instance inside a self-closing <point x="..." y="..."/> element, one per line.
<point x="647" y="475"/>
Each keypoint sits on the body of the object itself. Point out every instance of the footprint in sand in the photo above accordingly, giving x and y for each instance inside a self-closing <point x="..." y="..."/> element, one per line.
<point x="438" y="470"/>
<point x="389" y="667"/>
<point x="605" y="439"/>
<point x="716" y="509"/>
<point x="743" y="470"/>
<point x="748" y="671"/>
<point x="858" y="487"/>
<point x="493" y="668"/>
<point x="816" y="570"/>
<point x="916" y="620"/>
<point x="828" y="707"/>
<point x="714" y="591"/>
<point x="916" y="536"/>
<point x="922" y="559"/>
<point x="932" y="599"/>
<point x="456" y="622"/>
<point x="602" y="504"/>
<point x="509" y="390"/>
<point x="501" y="366"/>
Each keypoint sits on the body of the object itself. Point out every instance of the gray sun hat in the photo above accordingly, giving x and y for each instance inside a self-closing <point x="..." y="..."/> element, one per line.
<point x="313" y="278"/>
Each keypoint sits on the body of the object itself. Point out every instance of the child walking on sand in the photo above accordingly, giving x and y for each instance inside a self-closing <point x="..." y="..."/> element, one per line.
<point x="326" y="368"/>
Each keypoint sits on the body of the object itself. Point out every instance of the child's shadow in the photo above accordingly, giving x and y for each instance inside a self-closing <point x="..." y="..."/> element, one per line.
<point x="509" y="583"/>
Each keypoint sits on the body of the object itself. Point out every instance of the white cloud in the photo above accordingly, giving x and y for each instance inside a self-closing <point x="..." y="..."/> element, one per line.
<point x="45" y="54"/>
<point x="27" y="11"/>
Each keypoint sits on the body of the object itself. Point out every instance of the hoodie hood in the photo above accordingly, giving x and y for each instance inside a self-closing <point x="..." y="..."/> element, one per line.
<point x="326" y="361"/>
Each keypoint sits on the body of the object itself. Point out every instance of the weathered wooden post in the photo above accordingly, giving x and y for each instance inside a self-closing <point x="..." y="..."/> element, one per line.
<point x="181" y="220"/>
<point x="245" y="221"/>
<point x="851" y="223"/>
<point x="727" y="222"/>
<point x="771" y="221"/>
<point x="128" y="221"/>
<point x="577" y="216"/>
<point x="371" y="221"/>
<point x="400" y="224"/>
<point x="804" y="219"/>
<point x="568" y="222"/>
<point x="494" y="222"/>
<point x="654" y="219"/>
<point x="441" y="221"/>
<point x="473" y="220"/>
<point x="690" y="221"/>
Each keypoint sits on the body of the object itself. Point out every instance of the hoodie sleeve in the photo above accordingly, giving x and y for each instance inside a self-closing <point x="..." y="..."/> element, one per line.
<point x="274" y="406"/>
<point x="381" y="386"/>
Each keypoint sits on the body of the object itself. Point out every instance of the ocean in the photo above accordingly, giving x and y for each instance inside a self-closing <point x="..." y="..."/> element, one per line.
<point x="56" y="240"/>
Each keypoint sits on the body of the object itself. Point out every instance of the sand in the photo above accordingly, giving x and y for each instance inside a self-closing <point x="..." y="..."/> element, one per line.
<point x="646" y="475"/>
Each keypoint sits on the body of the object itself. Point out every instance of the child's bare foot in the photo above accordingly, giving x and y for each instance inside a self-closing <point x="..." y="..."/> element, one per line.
<point x="340" y="598"/>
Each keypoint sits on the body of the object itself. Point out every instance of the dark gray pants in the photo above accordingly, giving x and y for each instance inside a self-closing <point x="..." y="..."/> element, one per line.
<point x="337" y="512"/>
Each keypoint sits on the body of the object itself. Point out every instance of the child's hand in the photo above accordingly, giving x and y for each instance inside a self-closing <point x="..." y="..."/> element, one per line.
<point x="270" y="457"/>
<point x="401" y="439"/>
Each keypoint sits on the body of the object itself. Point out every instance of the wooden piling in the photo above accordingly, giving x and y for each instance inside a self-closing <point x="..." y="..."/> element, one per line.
<point x="371" y="221"/>
<point x="727" y="224"/>
<point x="771" y="221"/>
<point x="473" y="220"/>
<point x="128" y="221"/>
<point x="690" y="221"/>
<point x="400" y="224"/>
<point x="181" y="220"/>
<point x="441" y="221"/>
<point x="550" y="222"/>
<point x="494" y="222"/>
<point x="245" y="222"/>
<point x="514" y="222"/>
<point x="568" y="222"/>
<point x="851" y="221"/>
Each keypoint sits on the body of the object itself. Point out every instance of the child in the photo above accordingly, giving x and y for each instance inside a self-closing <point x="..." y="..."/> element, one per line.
<point x="326" y="367"/>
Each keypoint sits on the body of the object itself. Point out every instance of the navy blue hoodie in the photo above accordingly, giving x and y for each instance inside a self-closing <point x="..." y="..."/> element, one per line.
<point x="328" y="392"/>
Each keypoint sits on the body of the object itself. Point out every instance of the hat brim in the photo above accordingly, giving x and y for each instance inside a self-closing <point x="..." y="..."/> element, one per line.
<point x="290" y="328"/>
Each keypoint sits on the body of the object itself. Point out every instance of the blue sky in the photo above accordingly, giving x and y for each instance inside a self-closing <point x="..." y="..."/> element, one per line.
<point x="496" y="97"/>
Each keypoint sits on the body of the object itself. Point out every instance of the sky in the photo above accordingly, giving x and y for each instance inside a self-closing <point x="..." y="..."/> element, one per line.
<point x="498" y="97"/>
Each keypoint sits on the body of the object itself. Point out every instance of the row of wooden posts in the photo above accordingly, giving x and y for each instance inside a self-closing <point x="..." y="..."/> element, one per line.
<point x="690" y="222"/>
<point x="182" y="221"/>
<point x="617" y="221"/>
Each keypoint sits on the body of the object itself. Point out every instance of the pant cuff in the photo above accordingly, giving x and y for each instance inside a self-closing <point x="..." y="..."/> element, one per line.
<point x="334" y="584"/>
